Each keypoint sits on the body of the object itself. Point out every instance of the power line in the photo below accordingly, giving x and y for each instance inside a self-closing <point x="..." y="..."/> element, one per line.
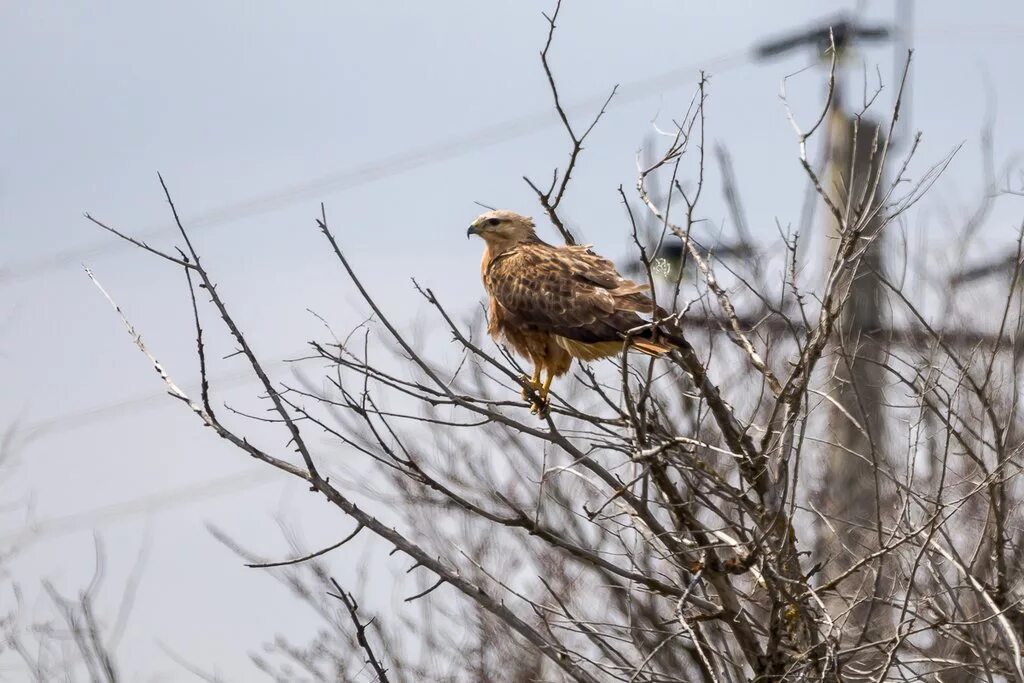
<point x="157" y="502"/>
<point x="372" y="171"/>
<point x="73" y="420"/>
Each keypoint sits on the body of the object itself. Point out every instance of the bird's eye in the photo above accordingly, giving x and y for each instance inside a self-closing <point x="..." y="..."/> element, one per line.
<point x="493" y="221"/>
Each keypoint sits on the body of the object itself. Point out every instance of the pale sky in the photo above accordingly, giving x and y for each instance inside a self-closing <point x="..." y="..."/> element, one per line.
<point x="398" y="116"/>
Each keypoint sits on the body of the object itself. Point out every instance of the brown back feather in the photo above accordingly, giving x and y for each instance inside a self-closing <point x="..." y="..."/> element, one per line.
<point x="568" y="291"/>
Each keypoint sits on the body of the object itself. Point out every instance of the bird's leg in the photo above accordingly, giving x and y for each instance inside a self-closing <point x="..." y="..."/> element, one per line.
<point x="546" y="388"/>
<point x="543" y="405"/>
<point x="534" y="383"/>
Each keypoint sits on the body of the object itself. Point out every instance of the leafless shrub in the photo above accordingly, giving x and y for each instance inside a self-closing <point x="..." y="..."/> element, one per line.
<point x="78" y="641"/>
<point x="669" y="520"/>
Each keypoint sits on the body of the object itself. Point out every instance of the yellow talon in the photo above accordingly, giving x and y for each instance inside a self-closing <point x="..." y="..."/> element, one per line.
<point x="536" y="393"/>
<point x="534" y="383"/>
<point x="542" y="406"/>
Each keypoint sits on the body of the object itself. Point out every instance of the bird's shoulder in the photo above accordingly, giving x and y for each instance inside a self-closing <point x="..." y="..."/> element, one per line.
<point x="574" y="266"/>
<point x="525" y="259"/>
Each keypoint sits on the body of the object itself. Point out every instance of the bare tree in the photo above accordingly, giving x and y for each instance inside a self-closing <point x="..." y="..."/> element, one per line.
<point x="662" y="522"/>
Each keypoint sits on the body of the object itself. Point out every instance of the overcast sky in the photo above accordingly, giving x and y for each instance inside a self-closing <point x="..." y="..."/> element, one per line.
<point x="398" y="116"/>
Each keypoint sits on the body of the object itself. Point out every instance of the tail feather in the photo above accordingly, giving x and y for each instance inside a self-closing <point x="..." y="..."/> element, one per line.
<point x="652" y="347"/>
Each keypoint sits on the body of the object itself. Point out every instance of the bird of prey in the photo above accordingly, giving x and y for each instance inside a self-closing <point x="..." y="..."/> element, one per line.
<point x="552" y="304"/>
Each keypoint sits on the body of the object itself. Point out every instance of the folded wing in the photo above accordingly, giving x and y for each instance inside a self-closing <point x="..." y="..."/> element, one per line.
<point x="567" y="291"/>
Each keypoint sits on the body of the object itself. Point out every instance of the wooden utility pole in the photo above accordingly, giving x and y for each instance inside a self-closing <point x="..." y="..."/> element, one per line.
<point x="851" y="491"/>
<point x="855" y="495"/>
<point x="852" y="494"/>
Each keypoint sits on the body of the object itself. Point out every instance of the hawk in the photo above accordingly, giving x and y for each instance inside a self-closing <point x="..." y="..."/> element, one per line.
<point x="552" y="304"/>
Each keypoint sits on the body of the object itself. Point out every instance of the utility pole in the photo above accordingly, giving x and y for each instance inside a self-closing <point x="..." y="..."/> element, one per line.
<point x="853" y="495"/>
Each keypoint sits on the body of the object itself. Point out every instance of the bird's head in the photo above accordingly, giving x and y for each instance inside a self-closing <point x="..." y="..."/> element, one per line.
<point x="502" y="228"/>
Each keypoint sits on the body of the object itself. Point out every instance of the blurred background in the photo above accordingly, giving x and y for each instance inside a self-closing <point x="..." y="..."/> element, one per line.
<point x="399" y="118"/>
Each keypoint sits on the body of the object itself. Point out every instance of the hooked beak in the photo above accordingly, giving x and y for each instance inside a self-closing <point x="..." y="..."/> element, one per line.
<point x="473" y="230"/>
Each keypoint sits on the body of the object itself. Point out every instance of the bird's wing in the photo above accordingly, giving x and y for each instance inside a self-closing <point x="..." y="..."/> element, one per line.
<point x="568" y="291"/>
<point x="596" y="269"/>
